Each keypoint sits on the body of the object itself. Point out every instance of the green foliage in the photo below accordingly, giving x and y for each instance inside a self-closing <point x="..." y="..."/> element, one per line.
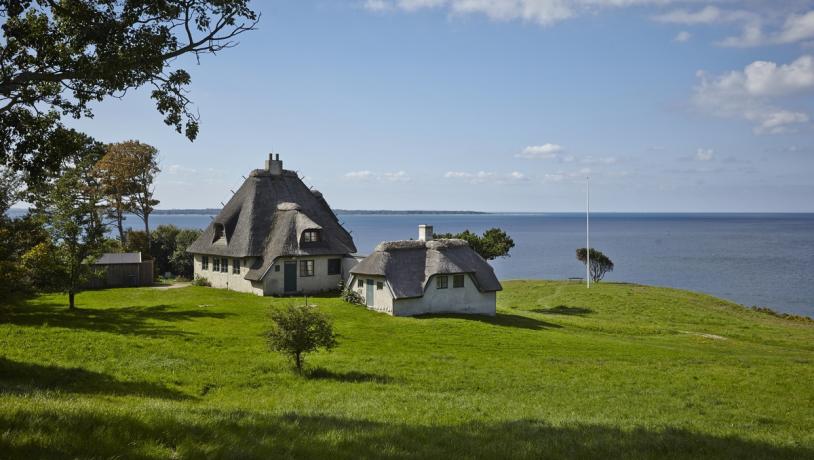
<point x="168" y="249"/>
<point x="600" y="263"/>
<point x="300" y="329"/>
<point x="201" y="281"/>
<point x="60" y="57"/>
<point x="492" y="244"/>
<point x="350" y="296"/>
<point x="70" y="205"/>
<point x="560" y="372"/>
<point x="181" y="261"/>
<point x="18" y="237"/>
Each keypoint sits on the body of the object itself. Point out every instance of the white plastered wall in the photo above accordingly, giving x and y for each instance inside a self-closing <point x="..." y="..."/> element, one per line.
<point x="228" y="280"/>
<point x="467" y="300"/>
<point x="273" y="282"/>
<point x="382" y="298"/>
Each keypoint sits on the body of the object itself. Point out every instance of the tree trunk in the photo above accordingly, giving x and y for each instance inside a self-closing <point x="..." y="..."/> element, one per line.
<point x="147" y="230"/>
<point x="298" y="362"/>
<point x="119" y="219"/>
<point x="71" y="302"/>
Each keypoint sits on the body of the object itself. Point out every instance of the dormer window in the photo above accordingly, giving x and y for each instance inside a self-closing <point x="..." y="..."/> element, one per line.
<point x="218" y="233"/>
<point x="311" y="236"/>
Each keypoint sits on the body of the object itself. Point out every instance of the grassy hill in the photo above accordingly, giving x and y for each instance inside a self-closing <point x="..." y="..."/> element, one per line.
<point x="617" y="371"/>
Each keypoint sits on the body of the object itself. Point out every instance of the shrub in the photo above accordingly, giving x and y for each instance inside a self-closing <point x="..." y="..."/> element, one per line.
<point x="298" y="330"/>
<point x="351" y="296"/>
<point x="201" y="281"/>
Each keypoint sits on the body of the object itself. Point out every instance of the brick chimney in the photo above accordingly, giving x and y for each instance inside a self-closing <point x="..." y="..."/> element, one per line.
<point x="274" y="165"/>
<point x="425" y="232"/>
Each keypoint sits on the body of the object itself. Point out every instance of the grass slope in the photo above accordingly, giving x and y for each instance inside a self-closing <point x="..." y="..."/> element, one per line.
<point x="617" y="371"/>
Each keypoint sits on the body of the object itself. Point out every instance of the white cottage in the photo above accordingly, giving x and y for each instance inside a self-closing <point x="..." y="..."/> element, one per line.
<point x="416" y="277"/>
<point x="275" y="236"/>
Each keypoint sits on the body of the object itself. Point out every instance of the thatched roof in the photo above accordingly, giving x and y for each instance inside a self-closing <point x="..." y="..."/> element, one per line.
<point x="409" y="264"/>
<point x="265" y="219"/>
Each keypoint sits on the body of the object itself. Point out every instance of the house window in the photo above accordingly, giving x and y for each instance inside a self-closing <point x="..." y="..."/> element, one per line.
<point x="458" y="281"/>
<point x="442" y="282"/>
<point x="236" y="266"/>
<point x="218" y="232"/>
<point x="360" y="283"/>
<point x="277" y="268"/>
<point x="379" y="285"/>
<point x="216" y="264"/>
<point x="334" y="266"/>
<point x="205" y="263"/>
<point x="224" y="265"/>
<point x="310" y="236"/>
<point x="306" y="268"/>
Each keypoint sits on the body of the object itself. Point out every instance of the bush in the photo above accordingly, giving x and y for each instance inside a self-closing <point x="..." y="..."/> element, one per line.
<point x="352" y="297"/>
<point x="298" y="330"/>
<point x="201" y="281"/>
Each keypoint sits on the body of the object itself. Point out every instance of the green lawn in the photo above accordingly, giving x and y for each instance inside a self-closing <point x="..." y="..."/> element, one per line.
<point x="618" y="371"/>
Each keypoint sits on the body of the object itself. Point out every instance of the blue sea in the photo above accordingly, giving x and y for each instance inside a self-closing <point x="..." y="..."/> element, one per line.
<point x="752" y="259"/>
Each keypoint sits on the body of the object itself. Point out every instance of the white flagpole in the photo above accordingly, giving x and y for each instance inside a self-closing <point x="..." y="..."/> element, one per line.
<point x="588" y="231"/>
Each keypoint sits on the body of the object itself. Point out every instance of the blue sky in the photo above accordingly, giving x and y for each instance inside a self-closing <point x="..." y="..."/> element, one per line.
<point x="503" y="105"/>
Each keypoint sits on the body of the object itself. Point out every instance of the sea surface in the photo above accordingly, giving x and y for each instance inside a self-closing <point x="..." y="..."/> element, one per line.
<point x="752" y="259"/>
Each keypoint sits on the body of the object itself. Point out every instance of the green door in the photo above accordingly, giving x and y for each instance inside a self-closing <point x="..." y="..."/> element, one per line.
<point x="290" y="277"/>
<point x="369" y="294"/>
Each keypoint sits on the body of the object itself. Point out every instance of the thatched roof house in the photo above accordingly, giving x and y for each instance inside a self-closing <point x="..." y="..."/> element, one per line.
<point x="274" y="236"/>
<point x="413" y="277"/>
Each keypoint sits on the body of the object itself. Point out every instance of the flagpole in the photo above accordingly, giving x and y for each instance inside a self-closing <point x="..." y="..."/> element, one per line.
<point x="588" y="231"/>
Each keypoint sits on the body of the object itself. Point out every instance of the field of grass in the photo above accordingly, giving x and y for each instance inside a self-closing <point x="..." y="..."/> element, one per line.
<point x="618" y="371"/>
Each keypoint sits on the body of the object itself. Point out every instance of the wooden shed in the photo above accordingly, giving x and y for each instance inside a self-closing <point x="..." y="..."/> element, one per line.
<point x="124" y="269"/>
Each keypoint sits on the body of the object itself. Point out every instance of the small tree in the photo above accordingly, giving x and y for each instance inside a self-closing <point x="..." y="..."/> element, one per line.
<point x="72" y="209"/>
<point x="298" y="330"/>
<point x="600" y="263"/>
<point x="493" y="244"/>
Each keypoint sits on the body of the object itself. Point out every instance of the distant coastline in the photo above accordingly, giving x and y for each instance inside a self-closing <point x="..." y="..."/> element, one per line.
<point x="214" y="211"/>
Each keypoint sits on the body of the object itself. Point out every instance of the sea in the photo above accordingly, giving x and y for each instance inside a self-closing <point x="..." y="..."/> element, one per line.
<point x="752" y="259"/>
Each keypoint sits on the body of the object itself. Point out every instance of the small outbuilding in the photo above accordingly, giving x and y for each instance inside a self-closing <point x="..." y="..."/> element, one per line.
<point x="125" y="269"/>
<point x="416" y="277"/>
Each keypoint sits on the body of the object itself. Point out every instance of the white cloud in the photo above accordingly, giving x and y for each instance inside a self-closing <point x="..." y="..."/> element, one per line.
<point x="376" y="5"/>
<point x="752" y="94"/>
<point x="598" y="160"/>
<point x="176" y="169"/>
<point x="542" y="12"/>
<point x="797" y="28"/>
<point x="706" y="15"/>
<point x="682" y="37"/>
<point x="364" y="175"/>
<point x="545" y="151"/>
<point x="704" y="154"/>
<point x="359" y="174"/>
<point x="482" y="177"/>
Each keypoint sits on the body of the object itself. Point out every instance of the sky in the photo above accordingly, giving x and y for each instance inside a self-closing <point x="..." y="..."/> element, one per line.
<point x="502" y="105"/>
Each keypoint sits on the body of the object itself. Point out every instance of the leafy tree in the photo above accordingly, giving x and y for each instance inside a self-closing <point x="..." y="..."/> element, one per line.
<point x="298" y="330"/>
<point x="117" y="175"/>
<point x="57" y="57"/>
<point x="135" y="165"/>
<point x="71" y="205"/>
<point x="137" y="242"/>
<point x="162" y="247"/>
<point x="493" y="244"/>
<point x="181" y="261"/>
<point x="18" y="238"/>
<point x="600" y="263"/>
